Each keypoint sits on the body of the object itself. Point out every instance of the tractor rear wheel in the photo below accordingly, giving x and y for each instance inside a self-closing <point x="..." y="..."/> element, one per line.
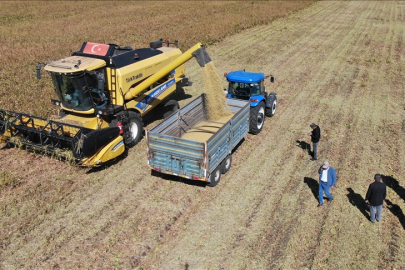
<point x="133" y="130"/>
<point x="215" y="177"/>
<point x="257" y="118"/>
<point x="271" y="110"/>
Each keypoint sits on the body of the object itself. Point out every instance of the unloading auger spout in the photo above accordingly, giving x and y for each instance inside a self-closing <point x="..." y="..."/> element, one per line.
<point x="198" y="51"/>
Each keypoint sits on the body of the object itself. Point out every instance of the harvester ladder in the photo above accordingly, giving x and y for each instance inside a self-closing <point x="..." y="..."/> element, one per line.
<point x="113" y="86"/>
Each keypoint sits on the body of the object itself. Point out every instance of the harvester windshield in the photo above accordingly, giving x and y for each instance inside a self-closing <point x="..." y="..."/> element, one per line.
<point x="80" y="92"/>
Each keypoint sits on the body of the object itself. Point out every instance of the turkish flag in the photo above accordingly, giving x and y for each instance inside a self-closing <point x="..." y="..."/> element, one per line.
<point x="96" y="48"/>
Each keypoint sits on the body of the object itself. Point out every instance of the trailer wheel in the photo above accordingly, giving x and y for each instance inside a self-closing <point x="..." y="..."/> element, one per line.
<point x="226" y="164"/>
<point x="133" y="130"/>
<point x="170" y="107"/>
<point x="155" y="173"/>
<point x="215" y="176"/>
<point x="271" y="110"/>
<point x="257" y="118"/>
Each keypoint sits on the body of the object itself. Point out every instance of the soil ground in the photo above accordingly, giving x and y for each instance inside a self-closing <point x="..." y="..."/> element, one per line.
<point x="339" y="64"/>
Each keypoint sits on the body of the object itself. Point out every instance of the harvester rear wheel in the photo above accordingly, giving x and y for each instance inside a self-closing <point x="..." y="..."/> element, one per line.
<point x="257" y="118"/>
<point x="133" y="130"/>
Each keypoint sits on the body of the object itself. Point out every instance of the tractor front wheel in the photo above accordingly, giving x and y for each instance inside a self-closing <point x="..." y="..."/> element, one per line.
<point x="257" y="118"/>
<point x="271" y="110"/>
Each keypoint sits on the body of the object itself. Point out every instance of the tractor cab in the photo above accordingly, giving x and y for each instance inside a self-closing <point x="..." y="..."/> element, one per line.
<point x="247" y="86"/>
<point x="250" y="86"/>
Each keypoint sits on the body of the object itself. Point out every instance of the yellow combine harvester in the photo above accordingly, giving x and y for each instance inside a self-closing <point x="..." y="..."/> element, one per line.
<point x="103" y="92"/>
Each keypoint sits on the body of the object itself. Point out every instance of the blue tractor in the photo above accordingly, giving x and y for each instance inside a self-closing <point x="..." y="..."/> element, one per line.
<point x="250" y="86"/>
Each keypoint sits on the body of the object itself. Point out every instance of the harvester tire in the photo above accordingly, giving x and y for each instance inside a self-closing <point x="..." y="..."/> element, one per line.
<point x="271" y="110"/>
<point x="133" y="130"/>
<point x="170" y="107"/>
<point x="226" y="164"/>
<point x="215" y="176"/>
<point x="257" y="117"/>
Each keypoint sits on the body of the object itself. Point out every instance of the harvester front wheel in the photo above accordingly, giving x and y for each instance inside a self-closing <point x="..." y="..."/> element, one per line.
<point x="257" y="118"/>
<point x="133" y="131"/>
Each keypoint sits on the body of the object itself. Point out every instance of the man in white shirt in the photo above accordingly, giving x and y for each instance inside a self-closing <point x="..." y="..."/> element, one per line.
<point x="327" y="179"/>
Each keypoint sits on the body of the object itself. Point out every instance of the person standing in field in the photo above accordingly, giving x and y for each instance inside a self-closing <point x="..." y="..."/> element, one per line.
<point x="375" y="196"/>
<point x="315" y="137"/>
<point x="327" y="180"/>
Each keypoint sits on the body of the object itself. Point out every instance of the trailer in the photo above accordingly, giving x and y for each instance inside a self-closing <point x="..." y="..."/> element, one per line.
<point x="188" y="145"/>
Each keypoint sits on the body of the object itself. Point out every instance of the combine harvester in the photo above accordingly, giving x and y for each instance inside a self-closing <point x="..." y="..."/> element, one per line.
<point x="103" y="92"/>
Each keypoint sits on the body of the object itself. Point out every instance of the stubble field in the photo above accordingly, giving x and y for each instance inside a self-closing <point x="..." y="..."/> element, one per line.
<point x="337" y="63"/>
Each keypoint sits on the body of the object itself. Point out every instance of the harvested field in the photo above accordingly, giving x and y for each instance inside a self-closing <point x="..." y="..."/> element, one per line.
<point x="339" y="64"/>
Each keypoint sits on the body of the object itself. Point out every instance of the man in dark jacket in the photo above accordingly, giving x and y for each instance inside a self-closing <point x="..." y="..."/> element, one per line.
<point x="376" y="194"/>
<point x="315" y="136"/>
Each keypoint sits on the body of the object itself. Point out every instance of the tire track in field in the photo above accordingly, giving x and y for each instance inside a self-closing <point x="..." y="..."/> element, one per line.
<point x="359" y="127"/>
<point x="347" y="117"/>
<point x="111" y="212"/>
<point x="393" y="159"/>
<point x="278" y="225"/>
<point x="354" y="76"/>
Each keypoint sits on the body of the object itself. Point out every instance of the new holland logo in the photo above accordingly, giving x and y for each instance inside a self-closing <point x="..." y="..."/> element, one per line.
<point x="146" y="101"/>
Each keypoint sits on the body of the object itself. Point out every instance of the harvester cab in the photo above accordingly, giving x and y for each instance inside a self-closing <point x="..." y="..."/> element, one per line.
<point x="103" y="92"/>
<point x="250" y="86"/>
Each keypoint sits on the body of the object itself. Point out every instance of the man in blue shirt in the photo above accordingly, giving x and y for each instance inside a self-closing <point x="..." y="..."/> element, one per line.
<point x="327" y="179"/>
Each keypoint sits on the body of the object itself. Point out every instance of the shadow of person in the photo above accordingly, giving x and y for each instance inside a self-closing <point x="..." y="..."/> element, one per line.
<point x="396" y="211"/>
<point x="394" y="184"/>
<point x="313" y="185"/>
<point x="304" y="145"/>
<point x="357" y="200"/>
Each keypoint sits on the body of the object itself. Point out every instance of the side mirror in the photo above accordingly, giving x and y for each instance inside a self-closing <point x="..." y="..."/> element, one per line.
<point x="100" y="81"/>
<point x="39" y="66"/>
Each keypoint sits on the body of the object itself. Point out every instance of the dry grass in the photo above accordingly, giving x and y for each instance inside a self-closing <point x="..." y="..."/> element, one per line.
<point x="339" y="64"/>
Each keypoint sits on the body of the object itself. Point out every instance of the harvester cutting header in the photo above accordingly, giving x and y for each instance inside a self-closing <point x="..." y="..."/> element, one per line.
<point x="103" y="92"/>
